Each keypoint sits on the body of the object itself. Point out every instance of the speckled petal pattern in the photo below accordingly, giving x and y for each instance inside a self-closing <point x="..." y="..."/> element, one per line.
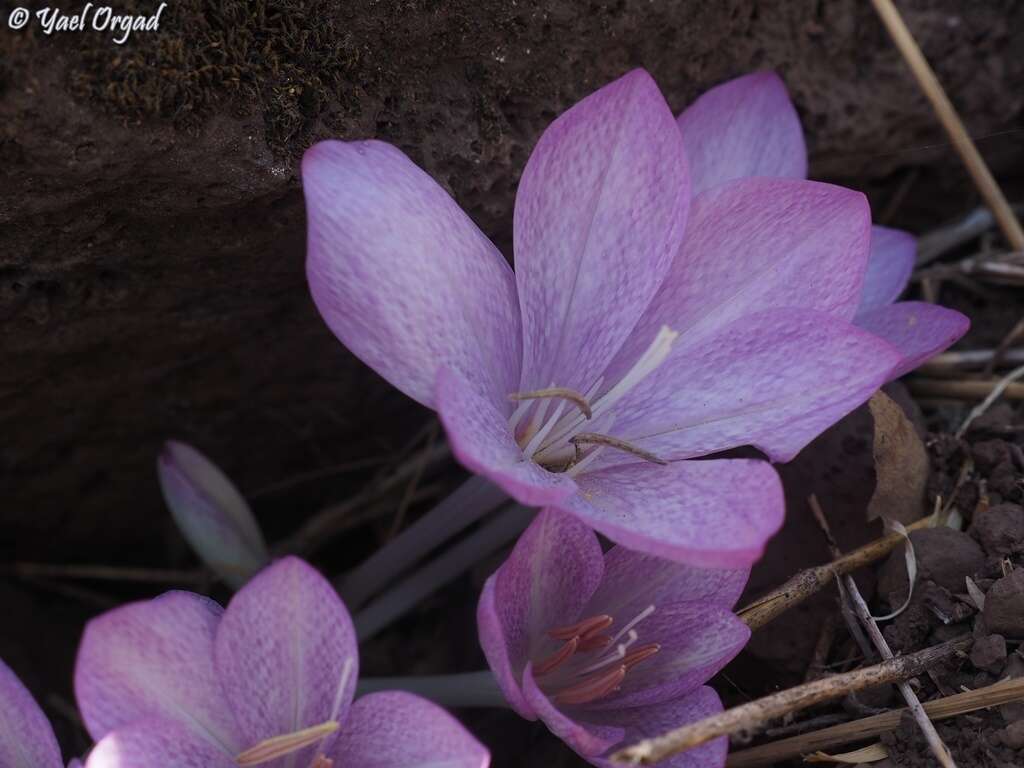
<point x="697" y="639"/>
<point x="550" y="575"/>
<point x="916" y="328"/>
<point x="599" y="214"/>
<point x="758" y="244"/>
<point x="154" y="659"/>
<point x="586" y="738"/>
<point x="395" y="729"/>
<point x="286" y="654"/>
<point x="743" y="127"/>
<point x="890" y="262"/>
<point x="713" y="514"/>
<point x="402" y="276"/>
<point x="482" y="441"/>
<point x="646" y="722"/>
<point x="774" y="380"/>
<point x="155" y="743"/>
<point x="26" y="737"/>
<point x="633" y="580"/>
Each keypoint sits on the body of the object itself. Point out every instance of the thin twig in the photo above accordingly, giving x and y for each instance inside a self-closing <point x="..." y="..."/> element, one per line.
<point x="961" y="389"/>
<point x="810" y="581"/>
<point x="1003" y="348"/>
<point x="994" y="695"/>
<point x="947" y="114"/>
<point x="851" y="594"/>
<point x="754" y="714"/>
<point x="997" y="391"/>
<point x="972" y="359"/>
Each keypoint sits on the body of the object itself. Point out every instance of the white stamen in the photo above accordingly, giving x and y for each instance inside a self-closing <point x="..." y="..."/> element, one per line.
<point x="648" y="362"/>
<point x="518" y="413"/>
<point x="619" y="652"/>
<point x="653" y="357"/>
<point x="640" y="617"/>
<point x="543" y="432"/>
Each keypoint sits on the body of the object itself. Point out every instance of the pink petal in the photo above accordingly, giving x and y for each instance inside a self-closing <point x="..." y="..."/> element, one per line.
<point x="773" y="379"/>
<point x="586" y="738"/>
<point x="759" y="244"/>
<point x="696" y="640"/>
<point x="286" y="654"/>
<point x="154" y="659"/>
<point x="211" y="513"/>
<point x="744" y="127"/>
<point x="915" y="328"/>
<point x="395" y="729"/>
<point x="712" y="514"/>
<point x="26" y="737"/>
<point x="633" y="580"/>
<point x="599" y="215"/>
<point x="481" y="439"/>
<point x="553" y="570"/>
<point x="157" y="743"/>
<point x="646" y="722"/>
<point x="402" y="276"/>
<point x="890" y="262"/>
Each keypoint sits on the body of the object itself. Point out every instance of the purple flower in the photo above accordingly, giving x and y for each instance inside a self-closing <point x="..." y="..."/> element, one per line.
<point x="748" y="127"/>
<point x="211" y="514"/>
<point x="26" y="737"/>
<point x="606" y="648"/>
<point x="657" y="314"/>
<point x="268" y="681"/>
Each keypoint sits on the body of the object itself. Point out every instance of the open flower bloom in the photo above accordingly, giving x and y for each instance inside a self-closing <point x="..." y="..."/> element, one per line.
<point x="608" y="648"/>
<point x="269" y="681"/>
<point x="644" y="325"/>
<point x="26" y="736"/>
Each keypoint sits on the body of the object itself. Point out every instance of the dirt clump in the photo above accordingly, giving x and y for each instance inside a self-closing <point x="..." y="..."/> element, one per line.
<point x="1000" y="529"/>
<point x="1004" y="605"/>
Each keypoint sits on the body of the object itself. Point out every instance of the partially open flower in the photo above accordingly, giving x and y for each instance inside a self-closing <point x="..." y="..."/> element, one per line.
<point x="211" y="513"/>
<point x="607" y="647"/>
<point x="656" y="314"/>
<point x="26" y="736"/>
<point x="269" y="681"/>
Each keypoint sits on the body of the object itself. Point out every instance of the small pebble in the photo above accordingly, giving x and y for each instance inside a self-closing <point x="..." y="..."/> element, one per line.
<point x="1013" y="735"/>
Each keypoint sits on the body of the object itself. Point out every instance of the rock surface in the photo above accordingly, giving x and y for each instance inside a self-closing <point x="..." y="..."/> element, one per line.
<point x="151" y="227"/>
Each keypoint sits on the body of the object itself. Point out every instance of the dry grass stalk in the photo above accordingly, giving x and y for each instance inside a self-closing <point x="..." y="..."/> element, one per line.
<point x="756" y="713"/>
<point x="871" y="727"/>
<point x="809" y="582"/>
<point x="972" y="359"/>
<point x="852" y="595"/>
<point x="962" y="389"/>
<point x="950" y="120"/>
<point x="998" y="390"/>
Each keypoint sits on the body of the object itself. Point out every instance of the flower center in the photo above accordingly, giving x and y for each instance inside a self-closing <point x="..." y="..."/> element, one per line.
<point x="590" y="663"/>
<point x="563" y="439"/>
